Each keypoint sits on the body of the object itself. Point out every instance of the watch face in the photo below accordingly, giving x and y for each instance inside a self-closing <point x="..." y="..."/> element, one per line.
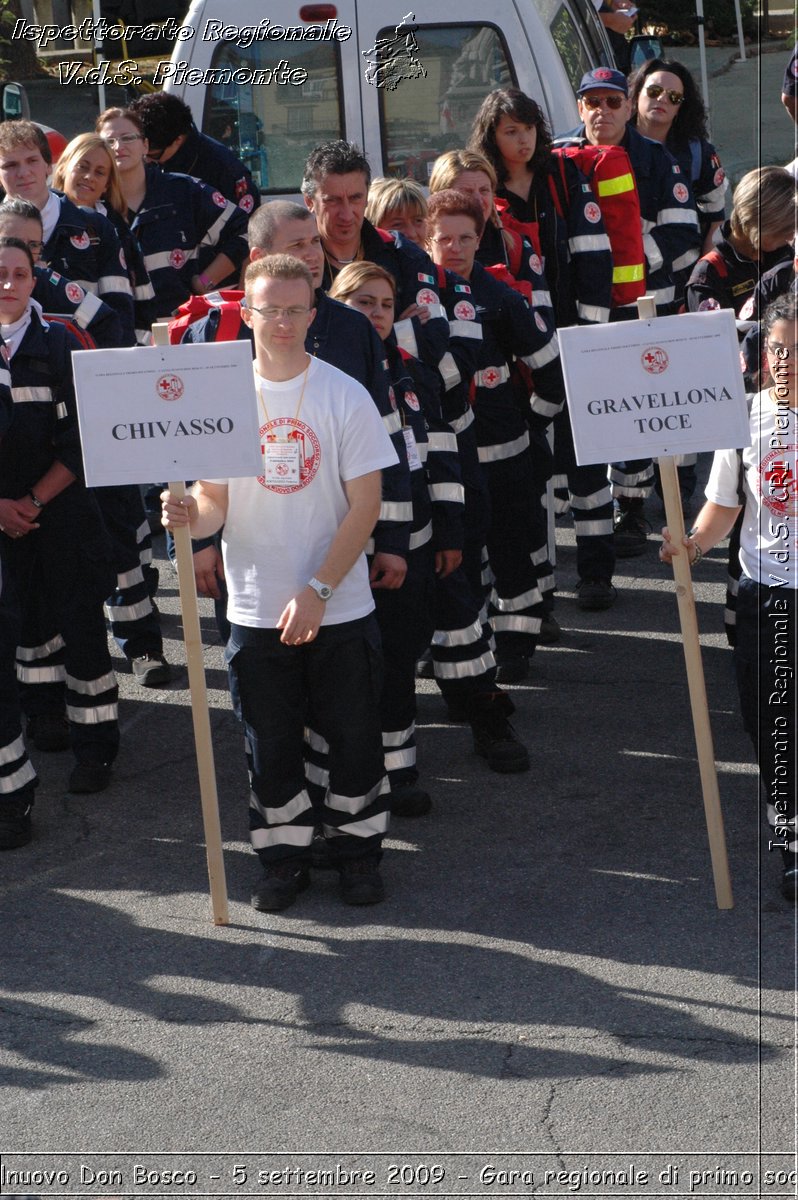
<point x="325" y="592"/>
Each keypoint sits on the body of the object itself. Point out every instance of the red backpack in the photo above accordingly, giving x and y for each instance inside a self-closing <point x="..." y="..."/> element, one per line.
<point x="609" y="172"/>
<point x="228" y="304"/>
<point x="87" y="342"/>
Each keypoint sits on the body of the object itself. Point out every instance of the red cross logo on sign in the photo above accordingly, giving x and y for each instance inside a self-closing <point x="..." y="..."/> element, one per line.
<point x="654" y="360"/>
<point x="170" y="387"/>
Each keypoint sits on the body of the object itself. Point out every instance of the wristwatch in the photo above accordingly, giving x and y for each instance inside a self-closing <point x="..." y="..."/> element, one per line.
<point x="322" y="590"/>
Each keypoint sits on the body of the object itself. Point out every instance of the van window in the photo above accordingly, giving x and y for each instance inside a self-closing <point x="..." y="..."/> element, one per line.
<point x="273" y="127"/>
<point x="572" y="52"/>
<point x="418" y="122"/>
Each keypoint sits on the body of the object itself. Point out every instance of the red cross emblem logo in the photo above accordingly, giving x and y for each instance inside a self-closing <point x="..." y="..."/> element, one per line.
<point x="654" y="360"/>
<point x="170" y="387"/>
<point x="490" y="377"/>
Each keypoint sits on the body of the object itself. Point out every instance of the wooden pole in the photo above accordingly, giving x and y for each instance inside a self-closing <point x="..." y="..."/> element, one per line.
<point x="199" y="698"/>
<point x="688" y="620"/>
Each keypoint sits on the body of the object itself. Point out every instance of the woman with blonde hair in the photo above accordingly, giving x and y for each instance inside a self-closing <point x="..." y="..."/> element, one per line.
<point x="87" y="175"/>
<point x="471" y="172"/>
<point x="399" y="204"/>
<point x="758" y="236"/>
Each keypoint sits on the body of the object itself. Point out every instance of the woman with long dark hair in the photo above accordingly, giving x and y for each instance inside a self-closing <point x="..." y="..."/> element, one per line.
<point x="510" y="130"/>
<point x="667" y="107"/>
<point x="546" y="196"/>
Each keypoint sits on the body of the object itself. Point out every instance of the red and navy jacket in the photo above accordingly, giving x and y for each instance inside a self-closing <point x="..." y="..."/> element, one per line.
<point x="44" y="428"/>
<point x="414" y="273"/>
<point x="214" y="164"/>
<point x="573" y="246"/>
<point x="775" y="282"/>
<point x="140" y="282"/>
<point x="6" y="403"/>
<point x="58" y="295"/>
<point x="436" y="483"/>
<point x="181" y="226"/>
<point x="510" y="330"/>
<point x="723" y="278"/>
<point x="699" y="161"/>
<point x="346" y="339"/>
<point x="542" y="404"/>
<point x="671" y="237"/>
<point x="85" y="249"/>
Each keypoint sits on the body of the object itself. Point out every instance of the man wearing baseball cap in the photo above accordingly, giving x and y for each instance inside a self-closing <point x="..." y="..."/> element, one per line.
<point x="671" y="241"/>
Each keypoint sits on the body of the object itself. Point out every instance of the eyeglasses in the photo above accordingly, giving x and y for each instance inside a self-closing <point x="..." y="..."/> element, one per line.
<point x="613" y="102"/>
<point x="274" y="314"/>
<point x="447" y="242"/>
<point x="124" y="139"/>
<point x="655" y="91"/>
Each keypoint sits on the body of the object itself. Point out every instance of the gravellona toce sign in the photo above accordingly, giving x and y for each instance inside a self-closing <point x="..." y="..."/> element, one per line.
<point x="645" y="389"/>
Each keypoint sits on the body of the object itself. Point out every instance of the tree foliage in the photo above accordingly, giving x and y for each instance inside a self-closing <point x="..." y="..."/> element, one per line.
<point x="678" y="17"/>
<point x="17" y="57"/>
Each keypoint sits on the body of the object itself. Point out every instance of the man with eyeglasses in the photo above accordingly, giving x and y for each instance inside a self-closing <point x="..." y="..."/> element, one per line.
<point x="343" y="337"/>
<point x="340" y="336"/>
<point x="79" y="245"/>
<point x="174" y="142"/>
<point x="303" y="644"/>
<point x="671" y="241"/>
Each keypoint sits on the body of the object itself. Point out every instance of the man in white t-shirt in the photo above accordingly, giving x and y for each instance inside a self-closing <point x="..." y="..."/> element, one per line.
<point x="304" y="647"/>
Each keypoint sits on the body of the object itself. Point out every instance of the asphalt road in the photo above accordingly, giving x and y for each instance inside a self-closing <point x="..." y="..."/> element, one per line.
<point x="549" y="979"/>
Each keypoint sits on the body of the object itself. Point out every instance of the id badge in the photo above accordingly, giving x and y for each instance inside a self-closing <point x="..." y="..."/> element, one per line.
<point x="413" y="460"/>
<point x="281" y="462"/>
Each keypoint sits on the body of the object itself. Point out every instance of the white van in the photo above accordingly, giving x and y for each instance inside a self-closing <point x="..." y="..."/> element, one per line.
<point x="405" y="88"/>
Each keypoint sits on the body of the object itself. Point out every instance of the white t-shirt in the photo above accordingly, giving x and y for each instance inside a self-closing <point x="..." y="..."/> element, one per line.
<point x="277" y="535"/>
<point x="769" y="538"/>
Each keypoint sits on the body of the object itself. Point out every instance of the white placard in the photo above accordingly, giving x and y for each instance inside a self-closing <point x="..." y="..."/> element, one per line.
<point x="644" y="389"/>
<point x="167" y="413"/>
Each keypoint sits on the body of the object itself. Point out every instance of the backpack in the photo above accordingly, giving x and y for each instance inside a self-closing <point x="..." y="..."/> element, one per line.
<point x="517" y="229"/>
<point x="609" y="172"/>
<point x="87" y="342"/>
<point x="228" y="304"/>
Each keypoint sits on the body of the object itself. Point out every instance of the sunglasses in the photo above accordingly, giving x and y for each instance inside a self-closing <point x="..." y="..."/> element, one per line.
<point x="655" y="91"/>
<point x="613" y="102"/>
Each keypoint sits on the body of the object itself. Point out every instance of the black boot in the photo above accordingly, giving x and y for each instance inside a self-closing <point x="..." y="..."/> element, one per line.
<point x="494" y="736"/>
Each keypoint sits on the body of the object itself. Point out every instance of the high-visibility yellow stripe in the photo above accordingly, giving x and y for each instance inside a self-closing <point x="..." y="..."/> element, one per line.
<point x="613" y="187"/>
<point x="628" y="274"/>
